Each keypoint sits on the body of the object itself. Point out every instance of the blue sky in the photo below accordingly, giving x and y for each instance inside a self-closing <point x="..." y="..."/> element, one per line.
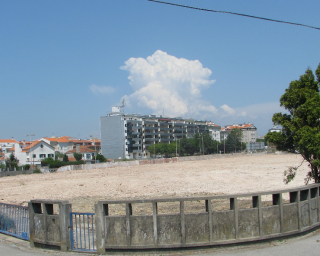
<point x="63" y="64"/>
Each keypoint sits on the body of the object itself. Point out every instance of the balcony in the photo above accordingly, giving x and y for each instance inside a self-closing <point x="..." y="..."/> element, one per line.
<point x="165" y="140"/>
<point x="150" y="133"/>
<point x="165" y="129"/>
<point x="179" y="130"/>
<point x="151" y="128"/>
<point x="150" y="122"/>
<point x="150" y="139"/>
<point x="164" y="134"/>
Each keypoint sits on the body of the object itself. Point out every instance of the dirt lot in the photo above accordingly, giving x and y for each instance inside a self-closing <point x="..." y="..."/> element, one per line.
<point x="207" y="177"/>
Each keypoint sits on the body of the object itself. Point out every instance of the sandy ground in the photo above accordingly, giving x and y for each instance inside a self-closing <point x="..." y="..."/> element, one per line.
<point x="239" y="174"/>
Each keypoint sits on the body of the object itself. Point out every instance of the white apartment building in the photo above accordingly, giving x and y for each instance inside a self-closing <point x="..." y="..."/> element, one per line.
<point x="129" y="136"/>
<point x="249" y="132"/>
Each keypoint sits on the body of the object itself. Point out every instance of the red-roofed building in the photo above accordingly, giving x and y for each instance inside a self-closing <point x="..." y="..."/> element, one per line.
<point x="87" y="153"/>
<point x="61" y="144"/>
<point x="33" y="154"/>
<point x="7" y="144"/>
<point x="214" y="131"/>
<point x="249" y="132"/>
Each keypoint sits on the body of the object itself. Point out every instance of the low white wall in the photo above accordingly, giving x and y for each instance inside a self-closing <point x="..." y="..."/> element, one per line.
<point x="143" y="162"/>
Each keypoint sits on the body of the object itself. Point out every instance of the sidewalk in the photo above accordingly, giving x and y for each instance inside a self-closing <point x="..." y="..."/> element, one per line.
<point x="308" y="244"/>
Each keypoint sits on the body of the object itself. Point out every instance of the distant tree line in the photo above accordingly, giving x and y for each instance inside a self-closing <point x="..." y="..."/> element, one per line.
<point x="200" y="144"/>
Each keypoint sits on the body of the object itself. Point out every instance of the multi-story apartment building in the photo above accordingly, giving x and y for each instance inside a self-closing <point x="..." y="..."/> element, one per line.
<point x="249" y="132"/>
<point x="129" y="136"/>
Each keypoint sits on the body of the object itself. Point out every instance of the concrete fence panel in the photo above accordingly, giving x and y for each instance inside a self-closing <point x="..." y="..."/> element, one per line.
<point x="246" y="218"/>
<point x="49" y="221"/>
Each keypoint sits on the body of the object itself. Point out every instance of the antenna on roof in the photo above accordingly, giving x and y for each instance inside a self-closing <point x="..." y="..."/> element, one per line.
<point x="123" y="104"/>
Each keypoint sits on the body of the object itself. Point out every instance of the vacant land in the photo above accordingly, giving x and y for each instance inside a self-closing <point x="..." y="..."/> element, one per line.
<point x="83" y="189"/>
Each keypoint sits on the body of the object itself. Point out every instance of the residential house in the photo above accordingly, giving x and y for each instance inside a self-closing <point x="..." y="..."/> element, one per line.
<point x="88" y="155"/>
<point x="33" y="154"/>
<point x="214" y="131"/>
<point x="60" y="144"/>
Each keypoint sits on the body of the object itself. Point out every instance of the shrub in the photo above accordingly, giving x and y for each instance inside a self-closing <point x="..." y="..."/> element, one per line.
<point x="65" y="158"/>
<point x="26" y="167"/>
<point x="36" y="171"/>
<point x="77" y="156"/>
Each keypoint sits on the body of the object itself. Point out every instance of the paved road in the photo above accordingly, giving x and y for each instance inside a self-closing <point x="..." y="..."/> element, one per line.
<point x="306" y="245"/>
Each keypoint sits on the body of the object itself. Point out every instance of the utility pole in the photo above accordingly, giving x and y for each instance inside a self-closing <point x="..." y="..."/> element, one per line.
<point x="30" y="152"/>
<point x="202" y="146"/>
<point x="176" y="146"/>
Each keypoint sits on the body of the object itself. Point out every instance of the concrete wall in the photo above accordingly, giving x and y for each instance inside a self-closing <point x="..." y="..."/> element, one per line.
<point x="14" y="173"/>
<point x="144" y="162"/>
<point x="205" y="226"/>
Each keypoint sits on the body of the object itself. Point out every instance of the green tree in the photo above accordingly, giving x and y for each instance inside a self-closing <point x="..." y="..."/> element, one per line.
<point x="65" y="158"/>
<point x="77" y="156"/>
<point x="301" y="125"/>
<point x="12" y="162"/>
<point x="233" y="141"/>
<point x="58" y="155"/>
<point x="101" y="158"/>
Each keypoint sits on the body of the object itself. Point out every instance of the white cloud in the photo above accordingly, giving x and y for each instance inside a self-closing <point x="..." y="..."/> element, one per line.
<point x="101" y="89"/>
<point x="228" y="110"/>
<point x="164" y="82"/>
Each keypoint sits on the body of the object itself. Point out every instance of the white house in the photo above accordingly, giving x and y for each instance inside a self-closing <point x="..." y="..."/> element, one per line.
<point x="87" y="153"/>
<point x="5" y="145"/>
<point x="214" y="131"/>
<point x="34" y="153"/>
<point x="61" y="144"/>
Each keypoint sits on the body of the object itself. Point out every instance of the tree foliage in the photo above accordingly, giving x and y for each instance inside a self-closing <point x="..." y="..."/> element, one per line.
<point x="301" y="125"/>
<point x="57" y="163"/>
<point x="233" y="141"/>
<point x="199" y="144"/>
<point x="65" y="158"/>
<point x="101" y="158"/>
<point x="12" y="162"/>
<point x="77" y="156"/>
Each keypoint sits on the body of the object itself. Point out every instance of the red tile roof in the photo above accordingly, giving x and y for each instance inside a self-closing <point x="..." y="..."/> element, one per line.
<point x="62" y="139"/>
<point x="83" y="149"/>
<point x="8" y="141"/>
<point x="33" y="144"/>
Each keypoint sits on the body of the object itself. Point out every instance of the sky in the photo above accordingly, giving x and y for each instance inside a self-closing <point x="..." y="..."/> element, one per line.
<point x="64" y="64"/>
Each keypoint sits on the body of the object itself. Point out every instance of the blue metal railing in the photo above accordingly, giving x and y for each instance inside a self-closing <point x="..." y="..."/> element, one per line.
<point x="82" y="232"/>
<point x="14" y="220"/>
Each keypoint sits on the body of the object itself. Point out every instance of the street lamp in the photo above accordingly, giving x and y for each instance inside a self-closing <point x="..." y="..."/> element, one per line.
<point x="30" y="135"/>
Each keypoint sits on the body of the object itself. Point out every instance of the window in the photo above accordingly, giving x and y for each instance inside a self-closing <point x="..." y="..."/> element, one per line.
<point x="42" y="155"/>
<point x="88" y="156"/>
<point x="41" y="146"/>
<point x="50" y="155"/>
<point x="34" y="155"/>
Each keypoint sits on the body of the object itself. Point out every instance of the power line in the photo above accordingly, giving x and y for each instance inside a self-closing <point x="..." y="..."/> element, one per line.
<point x="234" y="13"/>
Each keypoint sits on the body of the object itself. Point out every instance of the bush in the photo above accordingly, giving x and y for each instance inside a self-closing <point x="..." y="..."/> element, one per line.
<point x="65" y="158"/>
<point x="36" y="171"/>
<point x="26" y="167"/>
<point x="77" y="156"/>
<point x="101" y="158"/>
